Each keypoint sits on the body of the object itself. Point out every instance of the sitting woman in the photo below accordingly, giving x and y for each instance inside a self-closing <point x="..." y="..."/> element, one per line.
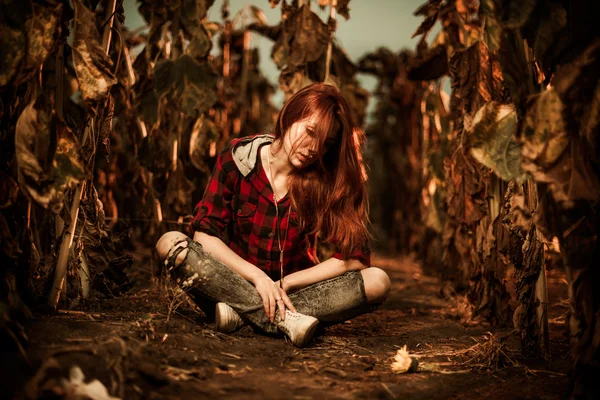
<point x="253" y="256"/>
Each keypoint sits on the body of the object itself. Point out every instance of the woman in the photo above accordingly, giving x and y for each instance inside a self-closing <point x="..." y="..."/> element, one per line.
<point x="253" y="252"/>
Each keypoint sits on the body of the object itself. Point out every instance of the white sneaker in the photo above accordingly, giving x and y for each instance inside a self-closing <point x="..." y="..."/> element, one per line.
<point x="298" y="327"/>
<point x="226" y="319"/>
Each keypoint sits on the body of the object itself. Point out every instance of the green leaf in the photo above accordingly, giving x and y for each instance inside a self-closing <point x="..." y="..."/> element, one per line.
<point x="92" y="65"/>
<point x="492" y="140"/>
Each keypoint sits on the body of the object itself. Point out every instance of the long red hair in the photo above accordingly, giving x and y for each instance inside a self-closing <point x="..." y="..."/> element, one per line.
<point x="329" y="195"/>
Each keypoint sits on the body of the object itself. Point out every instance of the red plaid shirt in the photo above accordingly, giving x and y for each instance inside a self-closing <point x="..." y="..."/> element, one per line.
<point x="240" y="211"/>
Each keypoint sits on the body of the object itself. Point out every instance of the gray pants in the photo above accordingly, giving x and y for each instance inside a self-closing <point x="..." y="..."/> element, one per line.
<point x="208" y="281"/>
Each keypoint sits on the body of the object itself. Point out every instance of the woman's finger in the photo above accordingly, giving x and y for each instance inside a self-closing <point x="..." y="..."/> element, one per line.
<point x="288" y="303"/>
<point x="272" y="307"/>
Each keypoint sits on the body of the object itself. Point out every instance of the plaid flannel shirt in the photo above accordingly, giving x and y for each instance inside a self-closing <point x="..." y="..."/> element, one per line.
<point x="240" y="210"/>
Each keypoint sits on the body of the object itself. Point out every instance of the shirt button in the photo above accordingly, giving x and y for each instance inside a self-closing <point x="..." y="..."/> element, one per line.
<point x="270" y="234"/>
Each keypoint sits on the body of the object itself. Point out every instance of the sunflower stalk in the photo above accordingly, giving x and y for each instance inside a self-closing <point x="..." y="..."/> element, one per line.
<point x="332" y="7"/>
<point x="67" y="242"/>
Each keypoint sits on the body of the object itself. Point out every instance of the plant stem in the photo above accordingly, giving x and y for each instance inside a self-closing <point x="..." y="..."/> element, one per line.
<point x="63" y="256"/>
<point x="332" y="7"/>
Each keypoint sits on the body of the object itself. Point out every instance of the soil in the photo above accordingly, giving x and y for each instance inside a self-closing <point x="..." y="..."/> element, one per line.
<point x="139" y="350"/>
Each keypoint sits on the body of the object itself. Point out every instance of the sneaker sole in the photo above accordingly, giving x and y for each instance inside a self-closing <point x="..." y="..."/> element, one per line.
<point x="221" y="310"/>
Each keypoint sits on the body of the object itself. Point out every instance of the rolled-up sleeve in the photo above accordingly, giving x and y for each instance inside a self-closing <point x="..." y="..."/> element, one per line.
<point x="212" y="214"/>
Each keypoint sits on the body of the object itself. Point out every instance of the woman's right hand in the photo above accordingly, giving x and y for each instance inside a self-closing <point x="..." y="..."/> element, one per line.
<point x="272" y="296"/>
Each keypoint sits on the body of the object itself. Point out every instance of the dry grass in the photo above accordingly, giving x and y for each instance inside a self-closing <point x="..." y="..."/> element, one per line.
<point x="489" y="354"/>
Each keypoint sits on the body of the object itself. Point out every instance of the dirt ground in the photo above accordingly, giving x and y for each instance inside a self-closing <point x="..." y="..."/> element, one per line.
<point x="138" y="351"/>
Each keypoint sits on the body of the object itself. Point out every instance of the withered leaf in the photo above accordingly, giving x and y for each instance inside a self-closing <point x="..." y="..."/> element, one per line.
<point x="92" y="65"/>
<point x="258" y="16"/>
<point x="46" y="172"/>
<point x="201" y="44"/>
<point x="431" y="11"/>
<point x="551" y="25"/>
<point x="190" y="82"/>
<point x="290" y="82"/>
<point x="578" y="86"/>
<point x="431" y="65"/>
<point x="42" y="28"/>
<point x="493" y="140"/>
<point x="513" y="14"/>
<point x="552" y="156"/>
<point x="476" y="77"/>
<point x="12" y="43"/>
<point x="179" y="191"/>
<point x="307" y="37"/>
<point x="466" y="188"/>
<point x="204" y="132"/>
<point x="8" y="245"/>
<point x="9" y="190"/>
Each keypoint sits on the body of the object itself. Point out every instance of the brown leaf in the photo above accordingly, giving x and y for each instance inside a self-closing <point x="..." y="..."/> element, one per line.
<point x="476" y="78"/>
<point x="46" y="172"/>
<point x="179" y="191"/>
<point x="92" y="65"/>
<point x="9" y="190"/>
<point x="466" y="188"/>
<point x="578" y="86"/>
<point x="12" y="43"/>
<point x="513" y="14"/>
<point x="42" y="30"/>
<point x="431" y="11"/>
<point x="552" y="156"/>
<point x="307" y="37"/>
<point x="203" y="133"/>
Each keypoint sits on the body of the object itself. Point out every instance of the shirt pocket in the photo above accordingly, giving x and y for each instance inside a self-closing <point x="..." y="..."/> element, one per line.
<point x="245" y="217"/>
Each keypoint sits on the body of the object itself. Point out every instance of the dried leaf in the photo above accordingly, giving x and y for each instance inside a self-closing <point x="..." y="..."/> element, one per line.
<point x="513" y="14"/>
<point x="258" y="16"/>
<point x="291" y="82"/>
<point x="433" y="64"/>
<point x="92" y="65"/>
<point x="203" y="133"/>
<point x="551" y="25"/>
<point x="42" y="28"/>
<point x="189" y="82"/>
<point x="466" y="188"/>
<point x="403" y="362"/>
<point x="476" y="78"/>
<point x="12" y="43"/>
<point x="45" y="172"/>
<point x="9" y="190"/>
<point x="201" y="43"/>
<point x="492" y="140"/>
<point x="578" y="86"/>
<point x="551" y="156"/>
<point x="308" y="37"/>
<point x="179" y="191"/>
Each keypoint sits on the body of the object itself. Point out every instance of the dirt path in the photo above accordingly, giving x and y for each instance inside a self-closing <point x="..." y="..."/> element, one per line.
<point x="130" y="347"/>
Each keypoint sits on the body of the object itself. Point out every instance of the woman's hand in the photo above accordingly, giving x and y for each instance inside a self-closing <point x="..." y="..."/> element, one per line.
<point x="273" y="296"/>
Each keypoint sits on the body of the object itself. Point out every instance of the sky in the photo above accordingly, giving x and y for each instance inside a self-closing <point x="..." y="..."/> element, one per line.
<point x="372" y="24"/>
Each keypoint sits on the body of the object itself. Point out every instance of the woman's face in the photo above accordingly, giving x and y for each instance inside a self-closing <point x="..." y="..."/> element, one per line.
<point x="300" y="143"/>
